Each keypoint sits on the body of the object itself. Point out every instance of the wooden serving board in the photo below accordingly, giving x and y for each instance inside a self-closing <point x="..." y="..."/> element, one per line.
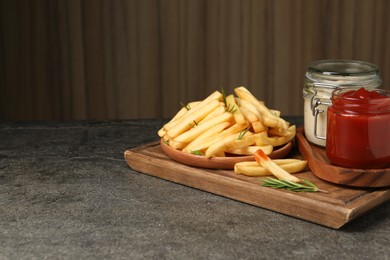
<point x="333" y="209"/>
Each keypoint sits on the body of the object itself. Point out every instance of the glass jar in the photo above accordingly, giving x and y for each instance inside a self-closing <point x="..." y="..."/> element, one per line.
<point x="358" y="130"/>
<point x="321" y="79"/>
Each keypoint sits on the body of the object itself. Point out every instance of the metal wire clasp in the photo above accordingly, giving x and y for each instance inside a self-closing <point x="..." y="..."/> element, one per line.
<point x="315" y="102"/>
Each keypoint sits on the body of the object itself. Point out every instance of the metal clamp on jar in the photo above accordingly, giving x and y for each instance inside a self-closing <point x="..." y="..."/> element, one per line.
<point x="321" y="79"/>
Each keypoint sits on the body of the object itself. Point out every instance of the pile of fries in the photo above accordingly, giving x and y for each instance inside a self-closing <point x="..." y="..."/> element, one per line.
<point x="227" y="124"/>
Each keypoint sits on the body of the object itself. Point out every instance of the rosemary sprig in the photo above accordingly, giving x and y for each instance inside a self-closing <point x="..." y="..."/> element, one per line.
<point x="185" y="106"/>
<point x="223" y="96"/>
<point x="231" y="109"/>
<point x="165" y="141"/>
<point x="242" y="133"/>
<point x="197" y="152"/>
<point x="238" y="101"/>
<point x="193" y="125"/>
<point x="305" y="186"/>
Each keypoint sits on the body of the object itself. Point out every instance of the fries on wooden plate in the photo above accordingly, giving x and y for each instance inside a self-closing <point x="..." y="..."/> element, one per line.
<point x="221" y="125"/>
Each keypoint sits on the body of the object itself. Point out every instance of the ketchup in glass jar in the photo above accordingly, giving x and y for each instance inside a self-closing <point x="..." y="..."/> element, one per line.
<point x="358" y="128"/>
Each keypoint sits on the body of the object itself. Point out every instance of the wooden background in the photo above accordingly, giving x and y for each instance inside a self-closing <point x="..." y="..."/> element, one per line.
<point x="122" y="59"/>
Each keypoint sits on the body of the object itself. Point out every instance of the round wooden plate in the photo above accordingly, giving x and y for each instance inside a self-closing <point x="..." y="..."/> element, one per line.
<point x="226" y="163"/>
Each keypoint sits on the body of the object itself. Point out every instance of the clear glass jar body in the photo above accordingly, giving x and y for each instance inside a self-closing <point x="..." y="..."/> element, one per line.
<point x="321" y="79"/>
<point x="358" y="130"/>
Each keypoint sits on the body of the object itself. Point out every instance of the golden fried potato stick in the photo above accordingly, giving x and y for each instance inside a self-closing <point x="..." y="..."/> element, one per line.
<point x="279" y="132"/>
<point x="254" y="169"/>
<point x="259" y="127"/>
<point x="295" y="167"/>
<point x="281" y="140"/>
<point x="250" y="150"/>
<point x="244" y="104"/>
<point x="277" y="161"/>
<point x="251" y="117"/>
<point x="232" y="106"/>
<point x="262" y="139"/>
<point x="275" y="112"/>
<point x="266" y="162"/>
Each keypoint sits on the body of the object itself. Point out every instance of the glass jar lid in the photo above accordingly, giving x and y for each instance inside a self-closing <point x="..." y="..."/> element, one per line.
<point x="344" y="68"/>
<point x="331" y="74"/>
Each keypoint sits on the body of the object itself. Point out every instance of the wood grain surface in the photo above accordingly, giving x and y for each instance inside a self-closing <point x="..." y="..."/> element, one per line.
<point x="122" y="59"/>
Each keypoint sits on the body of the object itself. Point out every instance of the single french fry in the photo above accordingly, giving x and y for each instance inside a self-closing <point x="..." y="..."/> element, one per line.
<point x="277" y="161"/>
<point x="232" y="106"/>
<point x="279" y="132"/>
<point x="293" y="129"/>
<point x="250" y="150"/>
<point x="254" y="169"/>
<point x="295" y="166"/>
<point x="281" y="140"/>
<point x="284" y="122"/>
<point x="188" y="121"/>
<point x="277" y="171"/>
<point x="244" y="104"/>
<point x="262" y="139"/>
<point x="251" y="117"/>
<point x="259" y="127"/>
<point x="161" y="132"/>
<point x="183" y="139"/>
<point x="275" y="112"/>
<point x="251" y="170"/>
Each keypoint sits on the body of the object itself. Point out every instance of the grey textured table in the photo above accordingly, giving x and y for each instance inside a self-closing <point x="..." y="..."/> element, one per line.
<point x="66" y="192"/>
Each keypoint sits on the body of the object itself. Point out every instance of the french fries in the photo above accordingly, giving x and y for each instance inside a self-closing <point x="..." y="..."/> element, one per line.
<point x="234" y="141"/>
<point x="269" y="119"/>
<point x="250" y="150"/>
<point x="221" y="125"/>
<point x="186" y="137"/>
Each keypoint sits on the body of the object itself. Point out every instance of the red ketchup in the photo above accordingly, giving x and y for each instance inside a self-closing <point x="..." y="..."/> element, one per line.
<point x="358" y="129"/>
